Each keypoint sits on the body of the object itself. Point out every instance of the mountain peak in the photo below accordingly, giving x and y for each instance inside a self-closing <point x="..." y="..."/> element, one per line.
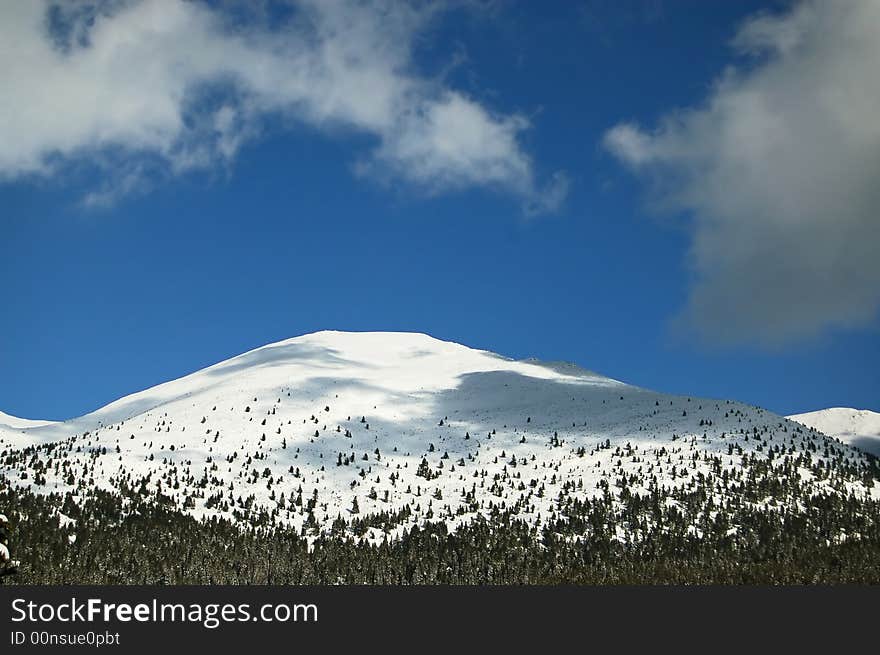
<point x="390" y="340"/>
<point x="393" y="422"/>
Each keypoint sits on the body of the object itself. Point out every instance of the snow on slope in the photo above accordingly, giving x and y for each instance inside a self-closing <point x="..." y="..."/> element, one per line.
<point x="15" y="423"/>
<point x="392" y="422"/>
<point x="856" y="427"/>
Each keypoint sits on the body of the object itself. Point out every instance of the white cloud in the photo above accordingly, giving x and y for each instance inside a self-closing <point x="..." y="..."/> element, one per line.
<point x="779" y="169"/>
<point x="177" y="81"/>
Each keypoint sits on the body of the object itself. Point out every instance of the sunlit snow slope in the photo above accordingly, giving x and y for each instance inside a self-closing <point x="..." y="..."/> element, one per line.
<point x="856" y="427"/>
<point x="337" y="424"/>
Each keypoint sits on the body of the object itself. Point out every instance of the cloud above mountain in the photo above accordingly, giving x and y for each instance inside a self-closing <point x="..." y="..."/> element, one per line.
<point x="140" y="86"/>
<point x="778" y="171"/>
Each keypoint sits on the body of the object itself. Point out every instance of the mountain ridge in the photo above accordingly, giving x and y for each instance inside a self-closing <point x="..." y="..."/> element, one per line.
<point x="312" y="338"/>
<point x="16" y="422"/>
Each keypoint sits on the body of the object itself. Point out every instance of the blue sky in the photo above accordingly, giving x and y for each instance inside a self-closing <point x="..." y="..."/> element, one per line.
<point x="554" y="181"/>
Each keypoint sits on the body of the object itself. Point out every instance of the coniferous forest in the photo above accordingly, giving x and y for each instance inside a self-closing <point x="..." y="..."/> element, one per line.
<point x="664" y="538"/>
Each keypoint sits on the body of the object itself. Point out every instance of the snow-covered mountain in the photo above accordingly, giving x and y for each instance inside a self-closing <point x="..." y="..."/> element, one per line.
<point x="337" y="424"/>
<point x="856" y="427"/>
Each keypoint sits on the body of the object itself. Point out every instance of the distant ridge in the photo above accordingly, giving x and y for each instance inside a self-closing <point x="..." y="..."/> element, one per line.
<point x="856" y="427"/>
